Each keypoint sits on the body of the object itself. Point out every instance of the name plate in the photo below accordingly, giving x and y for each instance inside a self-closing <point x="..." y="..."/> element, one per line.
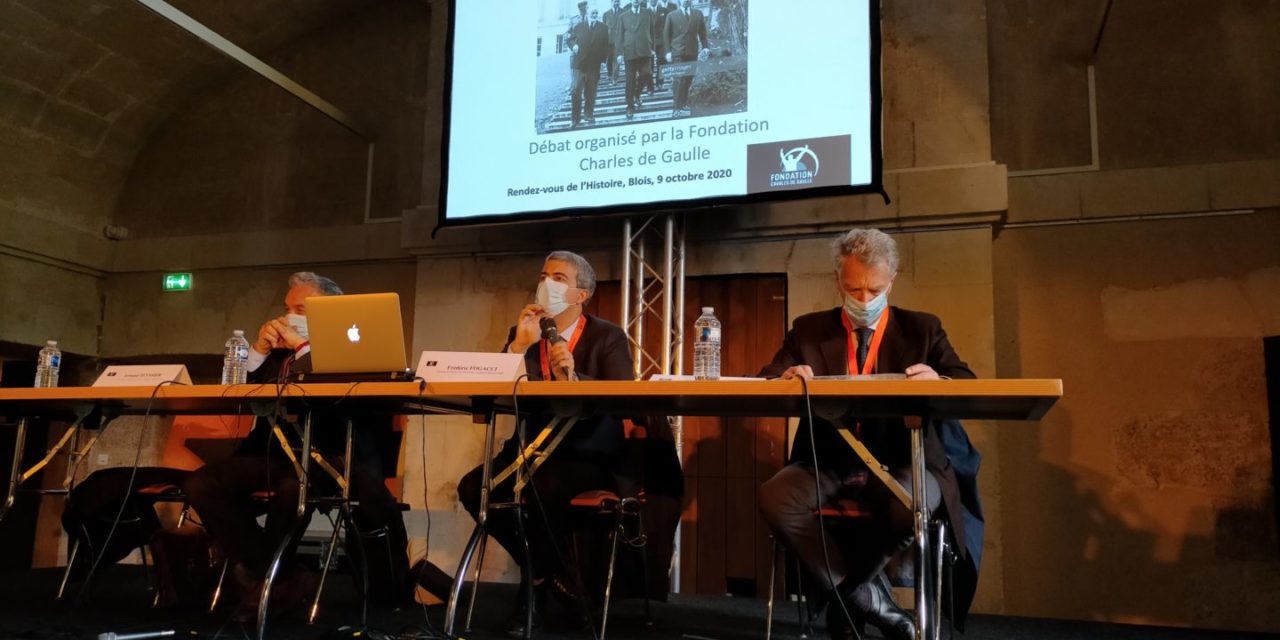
<point x="142" y="375"/>
<point x="466" y="366"/>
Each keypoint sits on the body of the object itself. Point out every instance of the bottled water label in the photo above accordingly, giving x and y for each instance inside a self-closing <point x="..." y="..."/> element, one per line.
<point x="710" y="334"/>
<point x="47" y="365"/>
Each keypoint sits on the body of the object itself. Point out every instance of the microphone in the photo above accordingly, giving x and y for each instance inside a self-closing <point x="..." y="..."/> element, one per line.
<point x="552" y="336"/>
<point x="136" y="636"/>
<point x="549" y="331"/>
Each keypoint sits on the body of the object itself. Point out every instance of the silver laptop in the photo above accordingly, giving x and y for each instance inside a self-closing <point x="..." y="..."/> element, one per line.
<point x="356" y="333"/>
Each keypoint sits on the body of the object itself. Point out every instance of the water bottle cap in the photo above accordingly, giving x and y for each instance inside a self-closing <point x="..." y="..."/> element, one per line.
<point x="239" y="333"/>
<point x="52" y="343"/>
<point x="708" y="309"/>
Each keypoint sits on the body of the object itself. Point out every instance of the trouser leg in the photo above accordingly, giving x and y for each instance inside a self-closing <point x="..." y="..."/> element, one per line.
<point x="787" y="502"/>
<point x="221" y="493"/>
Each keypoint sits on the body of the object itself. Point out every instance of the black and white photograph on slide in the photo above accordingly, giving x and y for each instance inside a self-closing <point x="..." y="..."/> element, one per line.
<point x="603" y="63"/>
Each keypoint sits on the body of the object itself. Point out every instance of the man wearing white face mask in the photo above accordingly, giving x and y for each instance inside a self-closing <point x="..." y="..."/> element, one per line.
<point x="863" y="335"/>
<point x="220" y="491"/>
<point x="285" y="336"/>
<point x="589" y="458"/>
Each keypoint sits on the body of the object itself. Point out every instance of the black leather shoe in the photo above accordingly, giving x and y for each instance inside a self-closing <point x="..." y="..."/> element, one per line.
<point x="871" y="602"/>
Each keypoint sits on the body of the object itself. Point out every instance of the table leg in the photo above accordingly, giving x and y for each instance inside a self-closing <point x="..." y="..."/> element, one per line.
<point x="15" y="471"/>
<point x="920" y="511"/>
<point x="526" y="567"/>
<point x="305" y="462"/>
<point x="486" y="475"/>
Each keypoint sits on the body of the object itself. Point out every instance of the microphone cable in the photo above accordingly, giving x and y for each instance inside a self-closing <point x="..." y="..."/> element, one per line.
<point x="537" y="499"/>
<point x="430" y="632"/>
<point x="128" y="493"/>
<point x="822" y="525"/>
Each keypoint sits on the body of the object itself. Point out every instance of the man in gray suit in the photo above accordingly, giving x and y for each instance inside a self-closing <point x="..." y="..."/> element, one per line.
<point x="590" y="48"/>
<point x="684" y="31"/>
<point x="611" y="21"/>
<point x="635" y="46"/>
<point x="659" y="10"/>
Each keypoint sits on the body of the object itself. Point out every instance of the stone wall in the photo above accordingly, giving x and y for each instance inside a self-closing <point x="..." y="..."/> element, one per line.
<point x="1145" y="495"/>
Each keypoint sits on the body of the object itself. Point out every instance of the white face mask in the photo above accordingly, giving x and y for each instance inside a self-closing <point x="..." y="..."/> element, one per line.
<point x="551" y="296"/>
<point x="864" y="314"/>
<point x="299" y="324"/>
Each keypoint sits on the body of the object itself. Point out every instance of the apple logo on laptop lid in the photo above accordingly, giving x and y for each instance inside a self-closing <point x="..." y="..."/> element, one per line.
<point x="353" y="334"/>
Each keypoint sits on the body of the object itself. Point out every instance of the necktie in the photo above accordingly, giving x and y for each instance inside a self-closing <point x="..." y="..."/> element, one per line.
<point x="864" y="345"/>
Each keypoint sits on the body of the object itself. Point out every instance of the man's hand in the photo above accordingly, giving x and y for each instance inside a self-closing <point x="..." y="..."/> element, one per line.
<point x="921" y="372"/>
<point x="799" y="371"/>
<point x="528" y="331"/>
<point x="620" y="60"/>
<point x="560" y="359"/>
<point x="668" y="56"/>
<point x="288" y="337"/>
<point x="268" y="338"/>
<point x="575" y="49"/>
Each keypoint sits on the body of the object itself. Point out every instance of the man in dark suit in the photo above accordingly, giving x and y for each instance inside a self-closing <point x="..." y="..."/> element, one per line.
<point x="612" y="22"/>
<point x="590" y="48"/>
<point x="220" y="492"/>
<point x="685" y="30"/>
<point x="864" y="335"/>
<point x="592" y="349"/>
<point x="659" y="10"/>
<point x="635" y="46"/>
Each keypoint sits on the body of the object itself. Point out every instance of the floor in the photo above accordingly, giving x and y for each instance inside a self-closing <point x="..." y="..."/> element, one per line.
<point x="118" y="604"/>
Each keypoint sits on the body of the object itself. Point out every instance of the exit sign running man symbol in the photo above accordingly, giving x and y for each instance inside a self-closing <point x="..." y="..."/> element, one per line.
<point x="177" y="281"/>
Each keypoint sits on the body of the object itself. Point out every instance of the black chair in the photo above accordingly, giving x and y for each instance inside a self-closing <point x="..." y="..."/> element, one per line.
<point x="104" y="528"/>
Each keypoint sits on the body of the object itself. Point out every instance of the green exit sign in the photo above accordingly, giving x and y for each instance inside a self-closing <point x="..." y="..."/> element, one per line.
<point x="177" y="282"/>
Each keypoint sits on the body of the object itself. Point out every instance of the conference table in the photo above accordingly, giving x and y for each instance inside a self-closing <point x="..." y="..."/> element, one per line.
<point x="918" y="402"/>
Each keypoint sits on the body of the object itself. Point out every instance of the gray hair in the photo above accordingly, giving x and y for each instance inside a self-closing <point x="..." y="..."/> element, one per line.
<point x="586" y="275"/>
<point x="325" y="286"/>
<point x="869" y="246"/>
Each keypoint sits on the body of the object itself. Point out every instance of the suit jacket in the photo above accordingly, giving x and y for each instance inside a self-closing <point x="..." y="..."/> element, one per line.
<point x="683" y="33"/>
<point x="612" y="22"/>
<point x="821" y="341"/>
<point x="601" y="353"/>
<point x="593" y="45"/>
<point x="328" y="428"/>
<point x="635" y="34"/>
<point x="659" y="25"/>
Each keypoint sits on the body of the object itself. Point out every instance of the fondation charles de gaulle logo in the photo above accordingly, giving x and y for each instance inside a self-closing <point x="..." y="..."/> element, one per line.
<point x="797" y="164"/>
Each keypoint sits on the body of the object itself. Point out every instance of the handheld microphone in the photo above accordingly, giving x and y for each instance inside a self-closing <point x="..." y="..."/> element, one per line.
<point x="136" y="636"/>
<point x="549" y="331"/>
<point x="552" y="336"/>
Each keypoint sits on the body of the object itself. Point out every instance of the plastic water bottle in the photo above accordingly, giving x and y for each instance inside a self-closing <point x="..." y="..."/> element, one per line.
<point x="235" y="359"/>
<point x="706" y="346"/>
<point x="48" y="364"/>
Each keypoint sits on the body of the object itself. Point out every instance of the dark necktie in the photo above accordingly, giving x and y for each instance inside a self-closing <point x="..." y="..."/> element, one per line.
<point x="864" y="345"/>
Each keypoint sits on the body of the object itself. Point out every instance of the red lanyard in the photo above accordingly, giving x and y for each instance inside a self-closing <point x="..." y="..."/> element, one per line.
<point x="870" y="364"/>
<point x="573" y="344"/>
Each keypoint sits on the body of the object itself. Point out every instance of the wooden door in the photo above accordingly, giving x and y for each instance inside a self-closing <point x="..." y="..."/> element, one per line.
<point x="724" y="542"/>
